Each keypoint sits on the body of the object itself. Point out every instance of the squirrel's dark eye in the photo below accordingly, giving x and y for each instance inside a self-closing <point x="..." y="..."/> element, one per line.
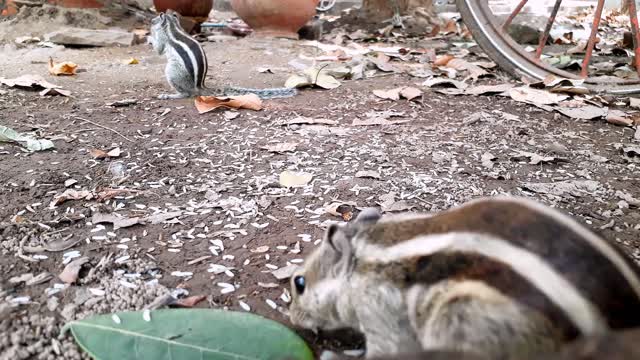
<point x="299" y="283"/>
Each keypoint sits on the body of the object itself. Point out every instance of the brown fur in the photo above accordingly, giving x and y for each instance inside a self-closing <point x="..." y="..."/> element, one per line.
<point x="538" y="233"/>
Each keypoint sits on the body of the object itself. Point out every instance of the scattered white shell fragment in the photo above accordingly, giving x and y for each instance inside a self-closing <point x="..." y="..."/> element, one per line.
<point x="128" y="284"/>
<point x="296" y="261"/>
<point x="272" y="267"/>
<point x="286" y="296"/>
<point x="218" y="269"/>
<point x="228" y="257"/>
<point x="146" y="315"/>
<point x="268" y="285"/>
<point x="305" y="237"/>
<point x="244" y="305"/>
<point x="40" y="257"/>
<point x="97" y="292"/>
<point x="181" y="273"/>
<point x="122" y="259"/>
<point x="20" y="300"/>
<point x="271" y="304"/>
<point x="116" y="319"/>
<point x="226" y="288"/>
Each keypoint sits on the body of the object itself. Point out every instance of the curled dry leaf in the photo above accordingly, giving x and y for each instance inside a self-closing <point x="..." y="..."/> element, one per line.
<point x="132" y="61"/>
<point x="616" y="119"/>
<point x="63" y="68"/>
<point x="187" y="302"/>
<point x="70" y="194"/>
<point x="443" y="60"/>
<point x="475" y="71"/>
<point x="408" y="93"/>
<point x="101" y="154"/>
<point x="341" y="209"/>
<point x="393" y="94"/>
<point x="535" y="96"/>
<point x="290" y="179"/>
<point x="206" y="104"/>
<point x="47" y="92"/>
<point x="28" y="81"/>
<point x="320" y="77"/>
<point x="70" y="273"/>
<point x="587" y="112"/>
<point x="284" y="273"/>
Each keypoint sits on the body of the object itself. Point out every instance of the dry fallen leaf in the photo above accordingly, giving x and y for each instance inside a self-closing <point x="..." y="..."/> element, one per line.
<point x="70" y="194"/>
<point x="619" y="120"/>
<point x="443" y="60"/>
<point x="475" y="71"/>
<point x="70" y="273"/>
<point x="28" y="81"/>
<point x="132" y="61"/>
<point x="51" y="91"/>
<point x="587" y="112"/>
<point x="410" y="93"/>
<point x="187" y="302"/>
<point x="290" y="179"/>
<point x="536" y="96"/>
<point x="342" y="209"/>
<point x="101" y="154"/>
<point x="393" y="94"/>
<point x="444" y="82"/>
<point x="488" y="89"/>
<point x="206" y="104"/>
<point x="117" y="221"/>
<point x="63" y="68"/>
<point x="285" y="272"/>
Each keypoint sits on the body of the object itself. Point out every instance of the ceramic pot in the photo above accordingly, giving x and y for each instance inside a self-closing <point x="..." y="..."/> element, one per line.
<point x="80" y="4"/>
<point x="198" y="9"/>
<point x="275" y="18"/>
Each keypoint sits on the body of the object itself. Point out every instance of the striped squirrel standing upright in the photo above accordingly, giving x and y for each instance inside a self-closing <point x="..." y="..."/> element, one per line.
<point x="502" y="277"/>
<point x="187" y="66"/>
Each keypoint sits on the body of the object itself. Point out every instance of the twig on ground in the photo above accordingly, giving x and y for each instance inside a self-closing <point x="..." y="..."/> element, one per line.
<point x="104" y="127"/>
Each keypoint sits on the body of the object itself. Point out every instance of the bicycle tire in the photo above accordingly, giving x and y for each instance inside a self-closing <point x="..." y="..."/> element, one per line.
<point x="503" y="50"/>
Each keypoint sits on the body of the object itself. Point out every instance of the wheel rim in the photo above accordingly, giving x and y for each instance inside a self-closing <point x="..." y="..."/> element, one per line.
<point x="526" y="63"/>
<point x="325" y="5"/>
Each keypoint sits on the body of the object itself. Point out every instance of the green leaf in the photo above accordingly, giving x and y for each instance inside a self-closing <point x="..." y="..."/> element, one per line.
<point x="187" y="334"/>
<point x="9" y="135"/>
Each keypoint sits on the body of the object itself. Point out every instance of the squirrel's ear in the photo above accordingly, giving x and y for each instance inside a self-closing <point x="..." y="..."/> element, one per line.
<point x="340" y="244"/>
<point x="368" y="216"/>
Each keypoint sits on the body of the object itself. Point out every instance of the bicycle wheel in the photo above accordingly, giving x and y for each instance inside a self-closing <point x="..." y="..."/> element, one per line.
<point x="487" y="30"/>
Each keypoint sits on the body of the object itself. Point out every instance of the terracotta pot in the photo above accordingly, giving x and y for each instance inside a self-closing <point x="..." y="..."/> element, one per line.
<point x="81" y="4"/>
<point x="275" y="18"/>
<point x="8" y="9"/>
<point x="190" y="8"/>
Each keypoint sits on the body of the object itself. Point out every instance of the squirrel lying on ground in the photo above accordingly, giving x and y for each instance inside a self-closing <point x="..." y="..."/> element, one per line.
<point x="187" y="66"/>
<point x="501" y="278"/>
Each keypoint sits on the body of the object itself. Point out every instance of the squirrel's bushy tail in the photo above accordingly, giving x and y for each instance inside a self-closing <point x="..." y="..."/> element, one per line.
<point x="272" y="93"/>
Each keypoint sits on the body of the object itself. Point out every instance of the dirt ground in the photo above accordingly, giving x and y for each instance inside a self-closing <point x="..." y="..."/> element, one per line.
<point x="212" y="174"/>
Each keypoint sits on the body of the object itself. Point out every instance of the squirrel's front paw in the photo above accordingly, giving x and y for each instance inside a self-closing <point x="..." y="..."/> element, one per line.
<point x="164" y="96"/>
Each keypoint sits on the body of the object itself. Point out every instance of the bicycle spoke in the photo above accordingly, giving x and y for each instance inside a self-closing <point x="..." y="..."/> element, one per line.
<point x="513" y="15"/>
<point x="635" y="30"/>
<point x="592" y="39"/>
<point x="545" y="36"/>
